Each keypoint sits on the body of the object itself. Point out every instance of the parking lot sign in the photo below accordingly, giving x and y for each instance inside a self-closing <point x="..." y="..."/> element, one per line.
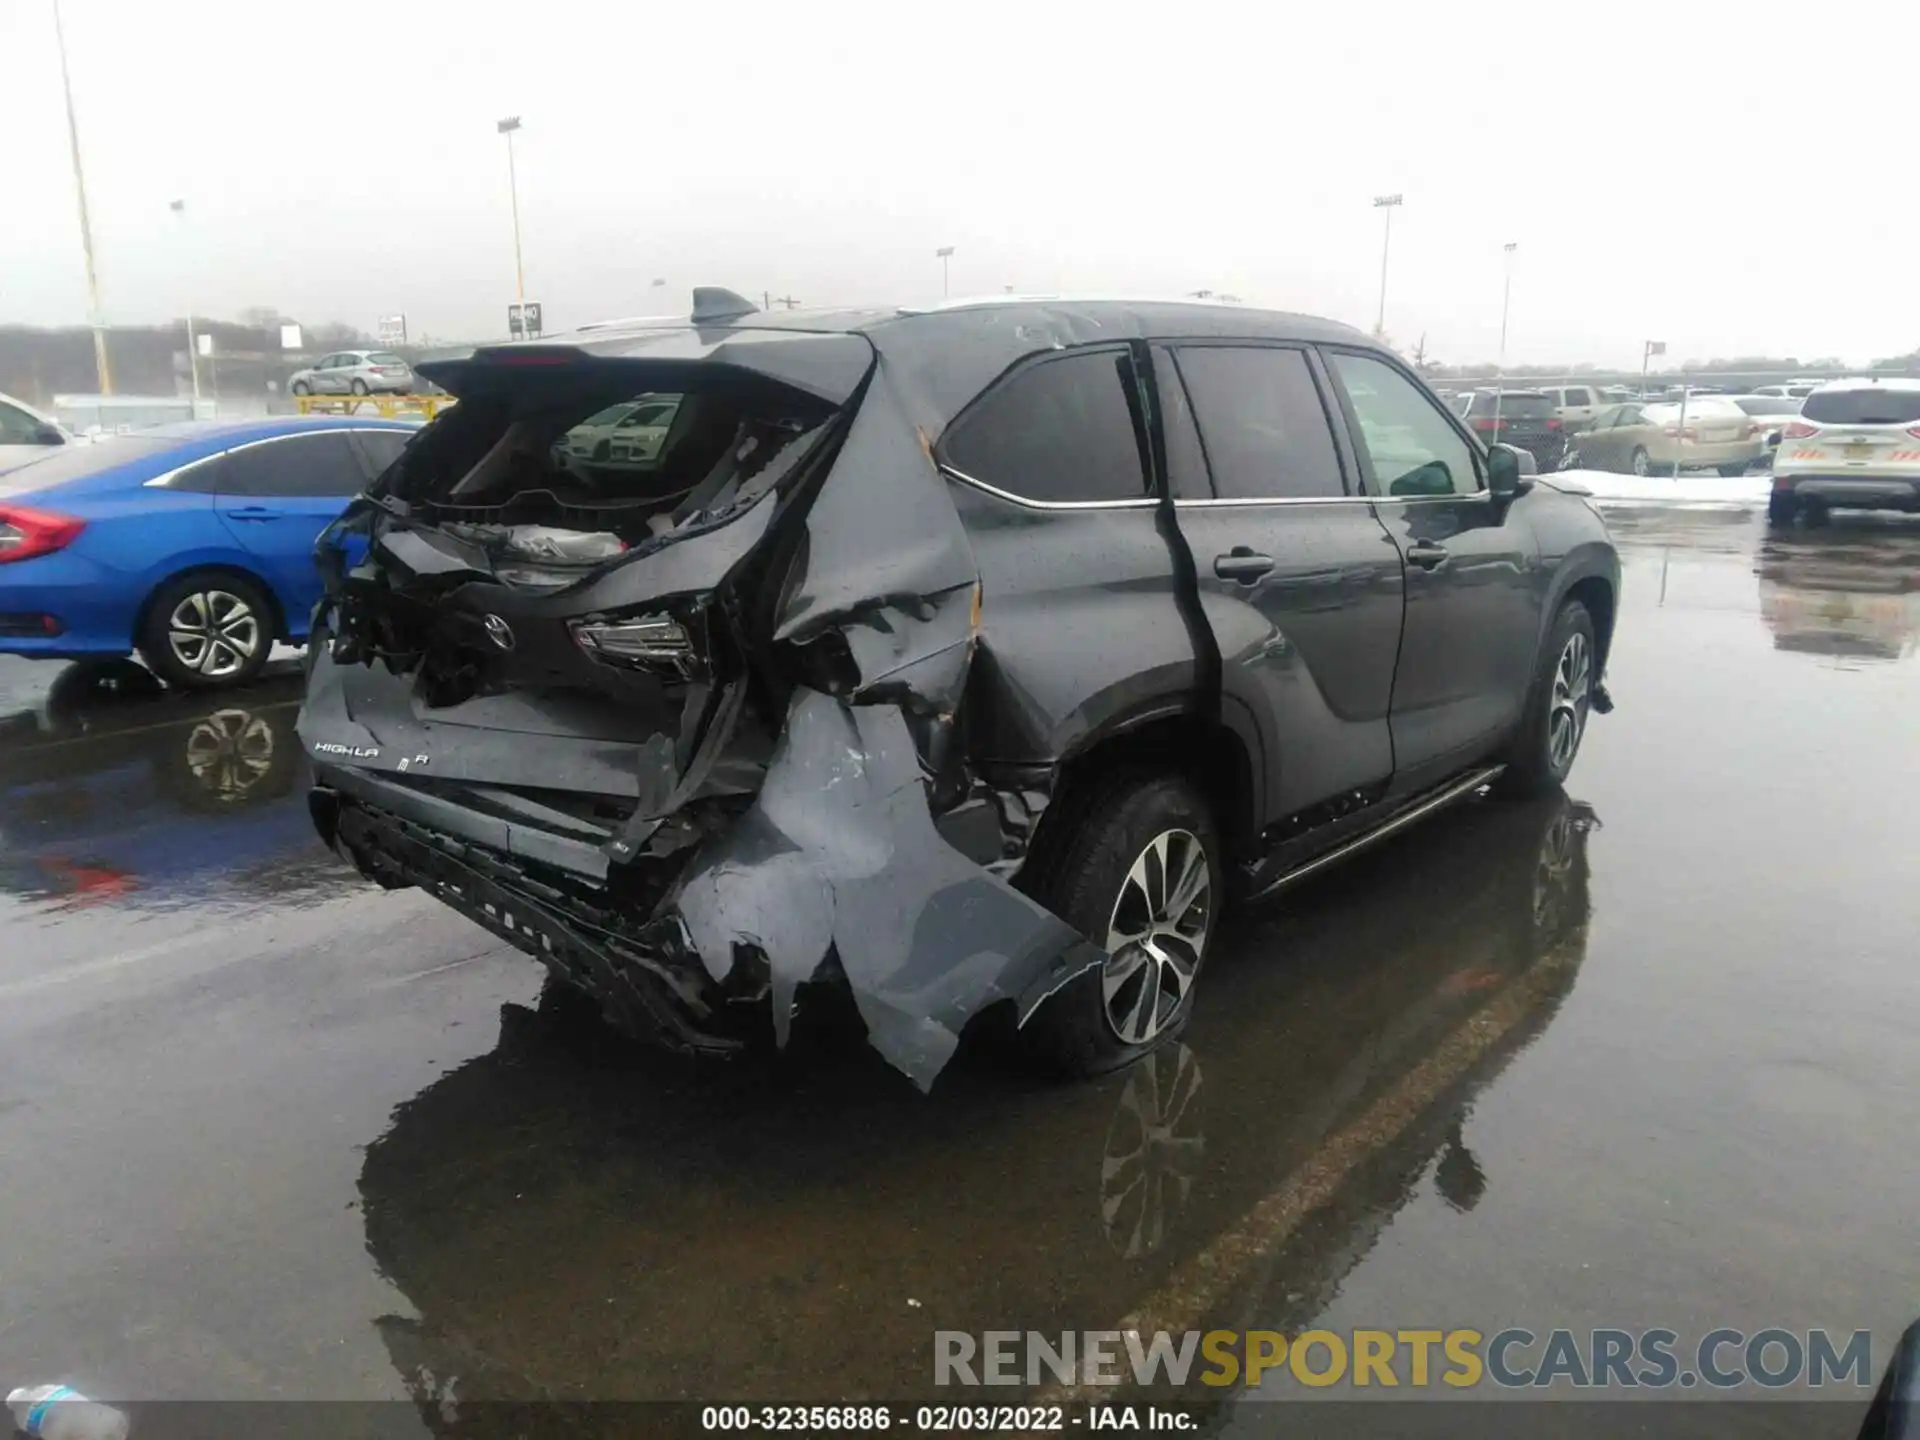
<point x="524" y="319"/>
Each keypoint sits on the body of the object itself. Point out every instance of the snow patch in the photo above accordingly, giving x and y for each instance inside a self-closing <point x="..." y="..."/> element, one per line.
<point x="1702" y="490"/>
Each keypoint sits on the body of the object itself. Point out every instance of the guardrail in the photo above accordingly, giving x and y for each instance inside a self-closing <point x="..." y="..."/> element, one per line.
<point x="387" y="407"/>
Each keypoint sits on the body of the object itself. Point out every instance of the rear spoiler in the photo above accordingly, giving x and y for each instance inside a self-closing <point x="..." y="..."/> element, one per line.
<point x="830" y="366"/>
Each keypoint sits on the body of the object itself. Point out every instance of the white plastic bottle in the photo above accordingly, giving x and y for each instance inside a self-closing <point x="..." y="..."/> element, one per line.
<point x="56" y="1412"/>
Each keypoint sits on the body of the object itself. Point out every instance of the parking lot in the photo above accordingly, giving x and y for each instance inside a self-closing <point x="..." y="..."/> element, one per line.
<point x="1639" y="1056"/>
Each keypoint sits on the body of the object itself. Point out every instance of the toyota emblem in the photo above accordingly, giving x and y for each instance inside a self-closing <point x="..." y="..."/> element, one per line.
<point x="499" y="632"/>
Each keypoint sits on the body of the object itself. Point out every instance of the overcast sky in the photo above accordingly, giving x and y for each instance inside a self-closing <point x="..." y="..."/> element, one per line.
<point x="1729" y="178"/>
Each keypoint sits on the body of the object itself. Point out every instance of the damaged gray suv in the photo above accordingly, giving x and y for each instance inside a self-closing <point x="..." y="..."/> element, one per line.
<point x="966" y="659"/>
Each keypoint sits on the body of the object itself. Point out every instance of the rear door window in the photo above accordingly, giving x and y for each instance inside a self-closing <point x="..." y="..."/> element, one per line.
<point x="1865" y="406"/>
<point x="1062" y="431"/>
<point x="1262" y="423"/>
<point x="295" y="465"/>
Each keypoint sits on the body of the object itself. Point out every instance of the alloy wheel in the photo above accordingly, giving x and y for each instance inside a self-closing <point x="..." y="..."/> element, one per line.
<point x="1157" y="935"/>
<point x="1642" y="463"/>
<point x="214" y="632"/>
<point x="1572" y="696"/>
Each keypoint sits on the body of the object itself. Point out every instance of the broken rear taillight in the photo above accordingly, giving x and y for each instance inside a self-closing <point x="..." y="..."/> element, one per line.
<point x="645" y="642"/>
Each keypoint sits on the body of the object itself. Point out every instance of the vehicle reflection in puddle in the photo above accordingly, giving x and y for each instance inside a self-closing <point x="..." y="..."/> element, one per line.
<point x="115" y="791"/>
<point x="572" y="1218"/>
<point x="1847" y="591"/>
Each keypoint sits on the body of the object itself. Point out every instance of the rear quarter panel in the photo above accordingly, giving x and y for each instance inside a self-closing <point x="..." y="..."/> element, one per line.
<point x="134" y="540"/>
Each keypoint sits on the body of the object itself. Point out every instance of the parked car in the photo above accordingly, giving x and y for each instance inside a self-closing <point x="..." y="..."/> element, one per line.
<point x="1855" y="446"/>
<point x="629" y="433"/>
<point x="355" y="372"/>
<point x="896" y="674"/>
<point x="27" y="435"/>
<point x="191" y="544"/>
<point x="1522" y="418"/>
<point x="1709" y="432"/>
<point x="1576" y="405"/>
<point x="1770" y="414"/>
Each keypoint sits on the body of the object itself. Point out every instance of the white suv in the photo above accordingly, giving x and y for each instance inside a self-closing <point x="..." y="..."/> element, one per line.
<point x="1856" y="445"/>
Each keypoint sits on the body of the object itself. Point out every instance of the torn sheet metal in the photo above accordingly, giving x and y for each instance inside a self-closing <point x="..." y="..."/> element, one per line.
<point x="839" y="852"/>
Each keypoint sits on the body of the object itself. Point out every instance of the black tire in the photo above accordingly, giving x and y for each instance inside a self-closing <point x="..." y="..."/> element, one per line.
<point x="300" y="387"/>
<point x="1732" y="472"/>
<point x="1079" y="870"/>
<point x="1815" y="513"/>
<point x="1639" y="462"/>
<point x="1533" y="767"/>
<point x="1781" y="509"/>
<point x="358" y="387"/>
<point x="228" y="632"/>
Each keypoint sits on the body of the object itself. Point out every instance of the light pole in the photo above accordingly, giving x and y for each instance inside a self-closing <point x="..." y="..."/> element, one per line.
<point x="1388" y="203"/>
<point x="944" y="254"/>
<point x="179" y="208"/>
<point x="506" y="127"/>
<point x="101" y="368"/>
<point x="1500" y="366"/>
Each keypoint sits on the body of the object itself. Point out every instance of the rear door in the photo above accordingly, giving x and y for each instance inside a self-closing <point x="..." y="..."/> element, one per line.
<point x="276" y="496"/>
<point x="1300" y="583"/>
<point x="1473" y="608"/>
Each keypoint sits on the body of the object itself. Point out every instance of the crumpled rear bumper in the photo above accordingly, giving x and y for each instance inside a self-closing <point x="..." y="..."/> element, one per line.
<point x="650" y="983"/>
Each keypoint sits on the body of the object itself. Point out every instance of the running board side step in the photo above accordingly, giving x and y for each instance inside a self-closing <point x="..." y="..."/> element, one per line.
<point x="1435" y="800"/>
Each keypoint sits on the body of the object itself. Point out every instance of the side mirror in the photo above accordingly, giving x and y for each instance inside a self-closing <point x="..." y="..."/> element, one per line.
<point x="1510" y="471"/>
<point x="48" y="435"/>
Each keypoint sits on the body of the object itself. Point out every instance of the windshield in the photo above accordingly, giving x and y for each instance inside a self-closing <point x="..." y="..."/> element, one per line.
<point x="1768" y="405"/>
<point x="1865" y="406"/>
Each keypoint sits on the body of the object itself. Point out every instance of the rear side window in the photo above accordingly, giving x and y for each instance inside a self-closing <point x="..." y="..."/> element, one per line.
<point x="296" y="465"/>
<point x="1865" y="406"/>
<point x="1265" y="431"/>
<point x="1060" y="431"/>
<point x="378" y="449"/>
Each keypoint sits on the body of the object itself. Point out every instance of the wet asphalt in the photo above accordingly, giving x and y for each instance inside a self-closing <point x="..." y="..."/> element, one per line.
<point x="1642" y="1055"/>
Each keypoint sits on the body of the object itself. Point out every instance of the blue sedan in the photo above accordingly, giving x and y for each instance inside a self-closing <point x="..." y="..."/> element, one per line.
<point x="191" y="544"/>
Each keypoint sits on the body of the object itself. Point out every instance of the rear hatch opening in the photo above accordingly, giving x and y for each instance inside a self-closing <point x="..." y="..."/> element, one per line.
<point x="534" y="599"/>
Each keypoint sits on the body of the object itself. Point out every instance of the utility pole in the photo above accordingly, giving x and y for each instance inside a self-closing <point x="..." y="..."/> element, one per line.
<point x="944" y="254"/>
<point x="506" y="127"/>
<point x="1388" y="203"/>
<point x="1500" y="369"/>
<point x="101" y="368"/>
<point x="179" y="208"/>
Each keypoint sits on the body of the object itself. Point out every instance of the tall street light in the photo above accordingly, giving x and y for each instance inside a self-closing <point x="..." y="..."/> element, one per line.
<point x="100" y="366"/>
<point x="1388" y="203"/>
<point x="506" y="127"/>
<point x="944" y="254"/>
<point x="179" y="209"/>
<point x="1500" y="367"/>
